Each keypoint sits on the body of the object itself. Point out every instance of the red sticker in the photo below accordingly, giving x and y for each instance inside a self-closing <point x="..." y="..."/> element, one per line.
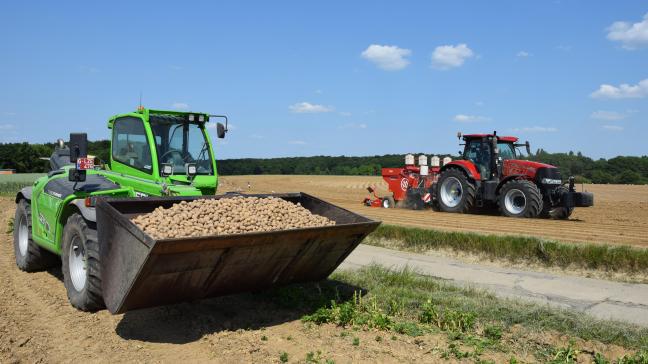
<point x="83" y="164"/>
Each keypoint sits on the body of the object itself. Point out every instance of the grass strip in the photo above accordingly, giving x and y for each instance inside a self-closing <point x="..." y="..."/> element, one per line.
<point x="615" y="258"/>
<point x="403" y="301"/>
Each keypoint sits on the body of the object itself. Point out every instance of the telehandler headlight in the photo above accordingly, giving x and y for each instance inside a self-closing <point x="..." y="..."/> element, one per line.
<point x="167" y="169"/>
<point x="201" y="118"/>
<point x="191" y="170"/>
<point x="191" y="117"/>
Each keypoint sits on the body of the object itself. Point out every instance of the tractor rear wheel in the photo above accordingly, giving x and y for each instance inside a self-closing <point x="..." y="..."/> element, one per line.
<point x="455" y="193"/>
<point x="388" y="202"/>
<point x="81" y="270"/>
<point x="29" y="256"/>
<point x="520" y="198"/>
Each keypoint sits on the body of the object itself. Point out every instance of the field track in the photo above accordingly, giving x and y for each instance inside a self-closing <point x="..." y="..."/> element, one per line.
<point x="620" y="214"/>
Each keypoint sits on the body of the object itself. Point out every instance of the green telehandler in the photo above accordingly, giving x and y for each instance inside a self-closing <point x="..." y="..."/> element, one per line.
<point x="79" y="216"/>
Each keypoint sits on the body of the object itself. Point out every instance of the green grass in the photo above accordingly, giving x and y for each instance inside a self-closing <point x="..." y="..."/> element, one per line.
<point x="474" y="320"/>
<point x="514" y="248"/>
<point x="10" y="184"/>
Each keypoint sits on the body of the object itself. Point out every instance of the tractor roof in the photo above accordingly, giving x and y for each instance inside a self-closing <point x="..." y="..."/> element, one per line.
<point x="511" y="139"/>
<point x="145" y="113"/>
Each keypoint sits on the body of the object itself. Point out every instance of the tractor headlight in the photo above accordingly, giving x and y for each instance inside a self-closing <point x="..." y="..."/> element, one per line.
<point x="191" y="117"/>
<point x="551" y="181"/>
<point x="201" y="118"/>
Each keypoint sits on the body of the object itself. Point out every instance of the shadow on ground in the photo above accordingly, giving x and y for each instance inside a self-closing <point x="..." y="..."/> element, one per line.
<point x="187" y="322"/>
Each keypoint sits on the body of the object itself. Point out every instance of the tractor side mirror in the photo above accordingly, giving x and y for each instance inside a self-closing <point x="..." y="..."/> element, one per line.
<point x="220" y="130"/>
<point x="78" y="150"/>
<point x="528" y="147"/>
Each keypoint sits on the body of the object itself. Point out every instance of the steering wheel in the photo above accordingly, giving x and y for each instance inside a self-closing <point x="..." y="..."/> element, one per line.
<point x="170" y="151"/>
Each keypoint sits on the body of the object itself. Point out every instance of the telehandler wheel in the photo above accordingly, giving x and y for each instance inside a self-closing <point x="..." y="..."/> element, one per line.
<point x="520" y="198"/>
<point x="29" y="256"/>
<point x="388" y="202"/>
<point x="455" y="193"/>
<point x="81" y="270"/>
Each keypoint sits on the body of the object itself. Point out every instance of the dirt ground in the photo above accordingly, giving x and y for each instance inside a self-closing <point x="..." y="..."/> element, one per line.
<point x="38" y="325"/>
<point x="619" y="214"/>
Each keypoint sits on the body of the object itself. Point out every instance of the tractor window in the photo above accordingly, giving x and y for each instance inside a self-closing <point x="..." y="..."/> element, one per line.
<point x="480" y="154"/>
<point x="179" y="142"/>
<point x="130" y="144"/>
<point x="506" y="150"/>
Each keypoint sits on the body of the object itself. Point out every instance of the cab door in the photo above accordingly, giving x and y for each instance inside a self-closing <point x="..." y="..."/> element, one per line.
<point x="133" y="157"/>
<point x="479" y="153"/>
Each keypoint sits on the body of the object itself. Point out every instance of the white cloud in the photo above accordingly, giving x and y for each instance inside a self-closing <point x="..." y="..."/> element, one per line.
<point x="297" y="142"/>
<point x="607" y="115"/>
<point x="449" y="56"/>
<point x="7" y="113"/>
<point x="257" y="136"/>
<point x="319" y="92"/>
<point x="623" y="91"/>
<point x="535" y="129"/>
<point x="388" y="58"/>
<point x="564" y="48"/>
<point x="523" y="54"/>
<point x="480" y="103"/>
<point x="308" y="108"/>
<point x="353" y="126"/>
<point x="631" y="36"/>
<point x="612" y="127"/>
<point x="180" y="106"/>
<point x="463" y="118"/>
<point x="345" y="113"/>
<point x="6" y="127"/>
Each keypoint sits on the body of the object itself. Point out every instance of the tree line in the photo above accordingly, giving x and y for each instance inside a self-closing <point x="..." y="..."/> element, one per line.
<point x="24" y="158"/>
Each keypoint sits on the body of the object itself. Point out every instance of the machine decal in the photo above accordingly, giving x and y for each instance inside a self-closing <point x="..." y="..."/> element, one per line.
<point x="42" y="221"/>
<point x="404" y="184"/>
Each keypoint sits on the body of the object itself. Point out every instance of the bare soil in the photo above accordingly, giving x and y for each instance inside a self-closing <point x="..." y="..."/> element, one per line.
<point x="619" y="214"/>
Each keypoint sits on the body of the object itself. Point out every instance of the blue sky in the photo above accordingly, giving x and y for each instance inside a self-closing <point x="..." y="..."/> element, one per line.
<point x="335" y="77"/>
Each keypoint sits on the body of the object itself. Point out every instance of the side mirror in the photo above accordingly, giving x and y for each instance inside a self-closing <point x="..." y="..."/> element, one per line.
<point x="528" y="147"/>
<point x="220" y="130"/>
<point x="78" y="153"/>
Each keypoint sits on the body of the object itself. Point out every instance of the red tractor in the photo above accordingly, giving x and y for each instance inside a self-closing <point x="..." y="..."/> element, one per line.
<point x="489" y="173"/>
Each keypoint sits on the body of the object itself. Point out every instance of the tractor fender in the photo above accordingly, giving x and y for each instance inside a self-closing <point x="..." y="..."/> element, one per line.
<point x="89" y="213"/>
<point x="509" y="178"/>
<point x="466" y="166"/>
<point x="25" y="193"/>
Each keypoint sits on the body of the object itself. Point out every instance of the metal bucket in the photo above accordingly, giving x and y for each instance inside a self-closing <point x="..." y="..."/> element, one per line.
<point x="138" y="271"/>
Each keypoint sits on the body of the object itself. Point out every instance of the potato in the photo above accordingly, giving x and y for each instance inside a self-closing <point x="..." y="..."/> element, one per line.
<point x="231" y="215"/>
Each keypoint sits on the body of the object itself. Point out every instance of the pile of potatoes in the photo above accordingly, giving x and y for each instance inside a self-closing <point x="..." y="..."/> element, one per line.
<point x="234" y="215"/>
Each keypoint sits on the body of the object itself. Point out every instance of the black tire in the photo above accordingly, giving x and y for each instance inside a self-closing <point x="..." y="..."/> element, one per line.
<point x="388" y="202"/>
<point x="452" y="201"/>
<point x="80" y="239"/>
<point x="520" y="198"/>
<point x="29" y="256"/>
<point x="560" y="213"/>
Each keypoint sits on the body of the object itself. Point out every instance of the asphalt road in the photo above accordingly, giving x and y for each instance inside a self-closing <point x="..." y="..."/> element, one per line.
<point x="599" y="298"/>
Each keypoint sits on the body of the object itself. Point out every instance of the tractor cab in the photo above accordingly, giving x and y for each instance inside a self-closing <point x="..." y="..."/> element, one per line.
<point x="488" y="153"/>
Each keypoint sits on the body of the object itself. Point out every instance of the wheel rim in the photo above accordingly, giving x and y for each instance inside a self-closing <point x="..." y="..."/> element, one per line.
<point x="77" y="264"/>
<point x="515" y="201"/>
<point x="23" y="236"/>
<point x="386" y="203"/>
<point x="451" y="192"/>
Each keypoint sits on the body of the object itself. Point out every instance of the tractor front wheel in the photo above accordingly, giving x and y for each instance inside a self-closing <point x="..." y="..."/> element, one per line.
<point x="29" y="256"/>
<point x="520" y="198"/>
<point x="81" y="270"/>
<point x="455" y="193"/>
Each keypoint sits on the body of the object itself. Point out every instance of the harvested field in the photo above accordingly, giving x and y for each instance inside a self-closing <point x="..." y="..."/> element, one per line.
<point x="620" y="214"/>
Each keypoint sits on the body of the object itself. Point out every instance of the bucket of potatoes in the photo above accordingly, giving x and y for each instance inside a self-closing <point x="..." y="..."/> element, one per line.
<point x="226" y="216"/>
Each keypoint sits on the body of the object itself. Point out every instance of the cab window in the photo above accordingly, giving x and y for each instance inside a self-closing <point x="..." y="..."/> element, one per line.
<point x="506" y="150"/>
<point x="130" y="145"/>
